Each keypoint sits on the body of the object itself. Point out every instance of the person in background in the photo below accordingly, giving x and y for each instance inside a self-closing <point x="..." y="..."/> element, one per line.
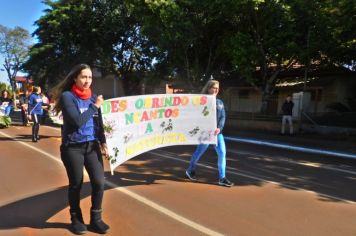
<point x="45" y="107"/>
<point x="83" y="142"/>
<point x="212" y="88"/>
<point x="287" y="111"/>
<point x="35" y="111"/>
<point x="23" y="100"/>
<point x="7" y="102"/>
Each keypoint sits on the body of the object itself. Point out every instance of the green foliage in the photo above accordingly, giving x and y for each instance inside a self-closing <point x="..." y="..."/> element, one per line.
<point x="14" y="46"/>
<point x="5" y="121"/>
<point x="272" y="36"/>
<point x="192" y="39"/>
<point x="342" y="26"/>
<point x="104" y="34"/>
<point x="62" y="33"/>
<point x="4" y="86"/>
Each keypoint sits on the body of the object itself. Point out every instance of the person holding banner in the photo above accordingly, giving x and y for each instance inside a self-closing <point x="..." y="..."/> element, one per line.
<point x="83" y="143"/>
<point x="35" y="111"/>
<point x="212" y="88"/>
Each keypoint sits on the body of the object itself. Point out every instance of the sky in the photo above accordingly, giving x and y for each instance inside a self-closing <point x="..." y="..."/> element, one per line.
<point x="21" y="13"/>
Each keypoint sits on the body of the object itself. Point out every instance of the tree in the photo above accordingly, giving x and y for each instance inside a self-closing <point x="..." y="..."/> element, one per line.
<point x="273" y="36"/>
<point x="193" y="39"/>
<point x="4" y="86"/>
<point x="104" y="34"/>
<point x="126" y="51"/>
<point x="264" y="45"/>
<point x="190" y="37"/>
<point x="59" y="41"/>
<point x="14" y="46"/>
<point x="341" y="23"/>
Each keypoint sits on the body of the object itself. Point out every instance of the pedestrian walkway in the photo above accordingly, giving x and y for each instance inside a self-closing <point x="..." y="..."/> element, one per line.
<point x="299" y="142"/>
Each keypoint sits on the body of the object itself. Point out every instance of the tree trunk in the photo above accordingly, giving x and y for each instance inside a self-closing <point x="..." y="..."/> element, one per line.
<point x="268" y="90"/>
<point x="12" y="77"/>
<point x="266" y="95"/>
<point x="13" y="87"/>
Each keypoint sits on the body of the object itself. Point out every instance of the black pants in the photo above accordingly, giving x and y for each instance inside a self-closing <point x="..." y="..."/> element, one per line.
<point x="36" y="124"/>
<point x="75" y="157"/>
<point x="24" y="116"/>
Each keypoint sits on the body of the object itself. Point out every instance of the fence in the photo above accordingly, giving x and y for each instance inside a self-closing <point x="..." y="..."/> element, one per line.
<point x="335" y="119"/>
<point x="338" y="119"/>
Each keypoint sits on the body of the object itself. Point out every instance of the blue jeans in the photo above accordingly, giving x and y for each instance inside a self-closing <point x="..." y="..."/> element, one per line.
<point x="8" y="110"/>
<point x="220" y="149"/>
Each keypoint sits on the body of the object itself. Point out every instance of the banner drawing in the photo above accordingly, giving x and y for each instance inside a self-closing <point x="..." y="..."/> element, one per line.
<point x="137" y="124"/>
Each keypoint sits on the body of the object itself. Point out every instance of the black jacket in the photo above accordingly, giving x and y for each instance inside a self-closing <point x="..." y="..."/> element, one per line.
<point x="287" y="108"/>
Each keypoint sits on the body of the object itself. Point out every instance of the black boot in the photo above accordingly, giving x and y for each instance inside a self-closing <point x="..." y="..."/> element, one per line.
<point x="97" y="225"/>
<point x="36" y="131"/>
<point x="77" y="226"/>
<point x="34" y="137"/>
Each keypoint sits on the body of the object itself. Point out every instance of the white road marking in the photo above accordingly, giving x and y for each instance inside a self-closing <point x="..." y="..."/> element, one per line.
<point x="164" y="210"/>
<point x="134" y="195"/>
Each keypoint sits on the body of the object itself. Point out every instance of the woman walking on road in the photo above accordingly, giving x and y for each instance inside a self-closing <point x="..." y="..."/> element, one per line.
<point x="83" y="142"/>
<point x="35" y="111"/>
<point x="212" y="88"/>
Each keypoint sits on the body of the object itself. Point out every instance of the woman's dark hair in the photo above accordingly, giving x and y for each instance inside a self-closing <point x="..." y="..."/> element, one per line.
<point x="3" y="92"/>
<point x="66" y="85"/>
<point x="36" y="89"/>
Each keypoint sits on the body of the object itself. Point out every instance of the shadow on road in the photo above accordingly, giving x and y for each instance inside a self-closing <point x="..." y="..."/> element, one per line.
<point x="154" y="170"/>
<point x="35" y="211"/>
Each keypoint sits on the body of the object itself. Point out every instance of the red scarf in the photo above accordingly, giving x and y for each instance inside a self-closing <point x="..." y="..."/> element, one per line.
<point x="82" y="94"/>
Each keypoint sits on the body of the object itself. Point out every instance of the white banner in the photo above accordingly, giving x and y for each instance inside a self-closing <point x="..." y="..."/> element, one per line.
<point x="137" y="124"/>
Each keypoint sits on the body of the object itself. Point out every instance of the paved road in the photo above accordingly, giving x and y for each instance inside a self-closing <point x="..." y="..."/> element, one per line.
<point x="277" y="192"/>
